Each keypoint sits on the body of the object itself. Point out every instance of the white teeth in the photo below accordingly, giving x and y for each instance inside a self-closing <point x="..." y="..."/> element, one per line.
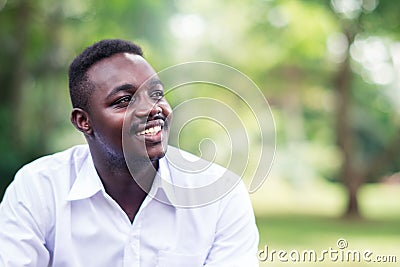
<point x="151" y="131"/>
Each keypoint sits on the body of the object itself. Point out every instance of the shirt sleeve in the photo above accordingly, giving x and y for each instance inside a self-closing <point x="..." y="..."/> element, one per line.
<point x="237" y="237"/>
<point x="22" y="224"/>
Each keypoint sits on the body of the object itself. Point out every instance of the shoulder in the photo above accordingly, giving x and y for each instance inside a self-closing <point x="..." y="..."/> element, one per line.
<point x="52" y="172"/>
<point x="198" y="182"/>
<point x="39" y="187"/>
<point x="193" y="166"/>
<point x="59" y="163"/>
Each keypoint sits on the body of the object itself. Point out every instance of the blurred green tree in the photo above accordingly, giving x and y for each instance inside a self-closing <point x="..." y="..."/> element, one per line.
<point x="367" y="134"/>
<point x="336" y="114"/>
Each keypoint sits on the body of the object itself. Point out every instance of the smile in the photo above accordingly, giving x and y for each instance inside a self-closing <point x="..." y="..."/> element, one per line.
<point x="150" y="131"/>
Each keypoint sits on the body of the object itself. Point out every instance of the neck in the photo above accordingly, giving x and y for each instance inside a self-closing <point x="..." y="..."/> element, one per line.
<point x="127" y="186"/>
<point x="115" y="173"/>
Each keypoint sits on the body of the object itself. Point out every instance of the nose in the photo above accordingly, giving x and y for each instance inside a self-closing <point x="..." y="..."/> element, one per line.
<point x="147" y="108"/>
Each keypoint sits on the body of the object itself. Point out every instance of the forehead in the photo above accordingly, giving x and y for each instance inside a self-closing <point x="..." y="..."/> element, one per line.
<point x="120" y="68"/>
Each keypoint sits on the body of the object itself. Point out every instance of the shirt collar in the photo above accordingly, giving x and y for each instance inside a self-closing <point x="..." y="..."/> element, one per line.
<point x="162" y="178"/>
<point x="87" y="182"/>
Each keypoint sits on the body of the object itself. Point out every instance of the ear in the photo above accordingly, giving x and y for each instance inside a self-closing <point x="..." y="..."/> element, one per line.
<point x="80" y="119"/>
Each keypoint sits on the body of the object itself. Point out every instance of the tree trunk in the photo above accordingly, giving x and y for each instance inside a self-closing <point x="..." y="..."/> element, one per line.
<point x="352" y="206"/>
<point x="353" y="185"/>
<point x="349" y="174"/>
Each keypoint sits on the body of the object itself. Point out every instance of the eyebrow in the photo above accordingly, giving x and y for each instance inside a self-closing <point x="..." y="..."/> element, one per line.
<point x="128" y="86"/>
<point x="155" y="81"/>
<point x="123" y="87"/>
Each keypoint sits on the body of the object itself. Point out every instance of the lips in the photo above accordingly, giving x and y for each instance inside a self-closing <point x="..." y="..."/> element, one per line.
<point x="151" y="131"/>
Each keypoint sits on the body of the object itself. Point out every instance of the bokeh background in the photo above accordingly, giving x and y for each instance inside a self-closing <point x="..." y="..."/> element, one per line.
<point x="330" y="71"/>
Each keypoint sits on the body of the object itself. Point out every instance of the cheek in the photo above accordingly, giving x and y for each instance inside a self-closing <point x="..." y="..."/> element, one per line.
<point x="166" y="108"/>
<point x="112" y="125"/>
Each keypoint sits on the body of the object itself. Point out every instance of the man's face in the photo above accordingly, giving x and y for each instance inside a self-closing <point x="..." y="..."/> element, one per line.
<point x="119" y="80"/>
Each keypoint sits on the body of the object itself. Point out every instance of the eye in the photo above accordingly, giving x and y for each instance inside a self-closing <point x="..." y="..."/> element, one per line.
<point x="157" y="94"/>
<point x="123" y="101"/>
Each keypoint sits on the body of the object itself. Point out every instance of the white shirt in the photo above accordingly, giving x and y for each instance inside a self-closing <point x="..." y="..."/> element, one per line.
<point x="56" y="213"/>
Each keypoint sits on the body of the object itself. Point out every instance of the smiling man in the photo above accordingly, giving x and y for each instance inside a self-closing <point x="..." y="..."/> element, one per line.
<point x="119" y="201"/>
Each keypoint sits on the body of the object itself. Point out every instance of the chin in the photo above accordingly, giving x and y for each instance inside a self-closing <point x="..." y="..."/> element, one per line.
<point x="155" y="154"/>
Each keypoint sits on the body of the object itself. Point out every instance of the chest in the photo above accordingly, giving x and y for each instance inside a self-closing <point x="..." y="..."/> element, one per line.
<point x="159" y="233"/>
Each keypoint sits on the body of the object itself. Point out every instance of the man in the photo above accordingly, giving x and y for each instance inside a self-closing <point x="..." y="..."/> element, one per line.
<point x="115" y="201"/>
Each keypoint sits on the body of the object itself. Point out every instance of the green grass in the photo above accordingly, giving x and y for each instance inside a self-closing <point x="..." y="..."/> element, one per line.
<point x="382" y="237"/>
<point x="309" y="218"/>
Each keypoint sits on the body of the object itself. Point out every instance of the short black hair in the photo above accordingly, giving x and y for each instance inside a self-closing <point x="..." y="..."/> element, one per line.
<point x="80" y="86"/>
